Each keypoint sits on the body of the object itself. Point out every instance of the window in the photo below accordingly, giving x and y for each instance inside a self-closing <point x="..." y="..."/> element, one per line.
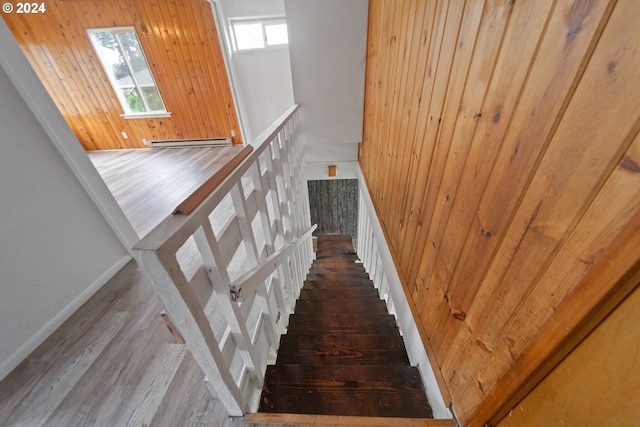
<point x="253" y="33"/>
<point x="124" y="62"/>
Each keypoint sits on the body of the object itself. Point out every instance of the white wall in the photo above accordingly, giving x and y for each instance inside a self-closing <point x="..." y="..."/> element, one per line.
<point x="262" y="78"/>
<point x="327" y="46"/>
<point x="56" y="248"/>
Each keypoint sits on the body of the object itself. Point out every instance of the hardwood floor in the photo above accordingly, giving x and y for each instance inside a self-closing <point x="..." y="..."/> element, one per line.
<point x="149" y="184"/>
<point x="112" y="363"/>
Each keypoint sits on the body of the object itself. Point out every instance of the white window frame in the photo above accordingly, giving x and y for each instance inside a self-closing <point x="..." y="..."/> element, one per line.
<point x="128" y="114"/>
<point x="264" y="21"/>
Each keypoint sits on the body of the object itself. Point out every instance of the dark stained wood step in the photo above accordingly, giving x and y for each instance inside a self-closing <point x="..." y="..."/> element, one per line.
<point x="342" y="323"/>
<point x="341" y="284"/>
<point x="324" y="307"/>
<point x="345" y="260"/>
<point x="333" y="349"/>
<point x="338" y="273"/>
<point x="372" y="390"/>
<point x="320" y="292"/>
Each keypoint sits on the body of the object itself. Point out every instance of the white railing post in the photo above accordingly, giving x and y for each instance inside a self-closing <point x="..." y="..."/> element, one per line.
<point x="210" y="250"/>
<point x="186" y="314"/>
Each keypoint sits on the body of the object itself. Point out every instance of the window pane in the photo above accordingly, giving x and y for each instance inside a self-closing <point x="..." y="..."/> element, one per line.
<point x="276" y="34"/>
<point x="133" y="100"/>
<point x="123" y="59"/>
<point x="152" y="96"/>
<point x="249" y="36"/>
<point x="132" y="51"/>
<point x="112" y="57"/>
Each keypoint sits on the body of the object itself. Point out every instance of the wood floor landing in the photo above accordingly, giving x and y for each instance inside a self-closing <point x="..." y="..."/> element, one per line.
<point x="149" y="184"/>
<point x="342" y="354"/>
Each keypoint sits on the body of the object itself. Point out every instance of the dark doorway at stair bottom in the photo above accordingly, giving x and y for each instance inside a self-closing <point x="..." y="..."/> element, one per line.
<point x="342" y="353"/>
<point x="334" y="206"/>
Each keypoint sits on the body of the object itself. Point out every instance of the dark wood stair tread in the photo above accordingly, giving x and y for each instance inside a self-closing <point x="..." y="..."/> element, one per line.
<point x="320" y="307"/>
<point x="340" y="293"/>
<point x="336" y="349"/>
<point x="384" y="391"/>
<point x="342" y="323"/>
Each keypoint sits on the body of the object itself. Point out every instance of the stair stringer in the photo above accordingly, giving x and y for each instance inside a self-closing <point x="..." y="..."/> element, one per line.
<point x="377" y="260"/>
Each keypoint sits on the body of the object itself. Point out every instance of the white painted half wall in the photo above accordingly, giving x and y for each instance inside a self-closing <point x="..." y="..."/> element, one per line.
<point x="56" y="248"/>
<point x="327" y="48"/>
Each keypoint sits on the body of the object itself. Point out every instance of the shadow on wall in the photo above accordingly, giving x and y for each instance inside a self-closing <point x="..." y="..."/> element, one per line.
<point x="334" y="206"/>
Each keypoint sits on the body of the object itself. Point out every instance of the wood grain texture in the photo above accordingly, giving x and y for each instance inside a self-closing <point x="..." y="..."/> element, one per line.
<point x="337" y="358"/>
<point x="340" y="420"/>
<point x="181" y="44"/>
<point x="113" y="362"/>
<point x="497" y="174"/>
<point x="149" y="184"/>
<point x="109" y="358"/>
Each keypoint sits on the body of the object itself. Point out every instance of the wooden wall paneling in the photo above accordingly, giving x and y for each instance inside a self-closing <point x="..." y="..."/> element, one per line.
<point x="92" y="90"/>
<point x="462" y="57"/>
<point x="411" y="104"/>
<point x="423" y="148"/>
<point x="396" y="109"/>
<point x="438" y="74"/>
<point x="213" y="71"/>
<point x="517" y="52"/>
<point x="434" y="120"/>
<point x="221" y="73"/>
<point x="158" y="41"/>
<point x="491" y="210"/>
<point x="176" y="70"/>
<point x="614" y="215"/>
<point x="526" y="140"/>
<point x="191" y="39"/>
<point x="567" y="181"/>
<point x="40" y="33"/>
<point x="391" y="65"/>
<point x="460" y="69"/>
<point x="166" y="16"/>
<point x="183" y="51"/>
<point x="374" y="25"/>
<point x="432" y="203"/>
<point x="530" y="130"/>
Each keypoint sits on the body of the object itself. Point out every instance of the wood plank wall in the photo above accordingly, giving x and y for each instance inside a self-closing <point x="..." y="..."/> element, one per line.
<point x="502" y="153"/>
<point x="180" y="41"/>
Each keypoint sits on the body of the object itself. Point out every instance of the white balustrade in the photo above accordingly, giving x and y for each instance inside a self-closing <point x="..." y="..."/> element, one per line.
<point x="229" y="272"/>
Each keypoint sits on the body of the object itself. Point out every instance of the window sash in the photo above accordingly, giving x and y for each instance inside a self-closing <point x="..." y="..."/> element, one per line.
<point x="136" y="90"/>
<point x="266" y="39"/>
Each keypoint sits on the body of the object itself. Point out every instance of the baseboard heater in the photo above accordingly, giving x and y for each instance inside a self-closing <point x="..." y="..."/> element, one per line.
<point x="198" y="142"/>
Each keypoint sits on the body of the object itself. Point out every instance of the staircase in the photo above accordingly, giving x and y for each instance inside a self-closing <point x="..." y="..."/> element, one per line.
<point x="342" y="354"/>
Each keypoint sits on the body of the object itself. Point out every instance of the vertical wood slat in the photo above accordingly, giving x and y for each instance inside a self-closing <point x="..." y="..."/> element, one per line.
<point x="181" y="44"/>
<point x="516" y="117"/>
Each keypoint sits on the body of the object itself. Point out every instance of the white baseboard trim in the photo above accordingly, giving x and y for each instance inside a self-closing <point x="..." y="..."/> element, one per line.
<point x="398" y="304"/>
<point x="38" y="338"/>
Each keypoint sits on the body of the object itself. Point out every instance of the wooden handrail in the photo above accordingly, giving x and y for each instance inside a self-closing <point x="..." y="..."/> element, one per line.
<point x="168" y="230"/>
